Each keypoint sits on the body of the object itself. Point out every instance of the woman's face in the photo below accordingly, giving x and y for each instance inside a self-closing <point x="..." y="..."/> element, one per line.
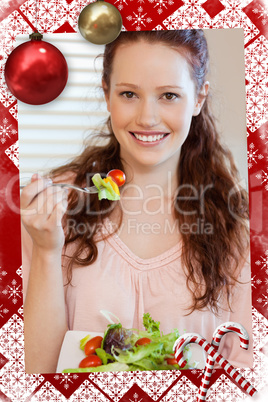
<point x="151" y="100"/>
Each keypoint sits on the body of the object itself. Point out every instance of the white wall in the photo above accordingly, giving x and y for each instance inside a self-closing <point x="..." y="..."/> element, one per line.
<point x="226" y="47"/>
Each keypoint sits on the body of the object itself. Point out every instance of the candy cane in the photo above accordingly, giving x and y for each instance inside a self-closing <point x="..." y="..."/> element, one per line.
<point x="220" y="331"/>
<point x="185" y="339"/>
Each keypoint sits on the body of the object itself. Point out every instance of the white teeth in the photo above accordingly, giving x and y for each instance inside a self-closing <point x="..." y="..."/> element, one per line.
<point x="149" y="138"/>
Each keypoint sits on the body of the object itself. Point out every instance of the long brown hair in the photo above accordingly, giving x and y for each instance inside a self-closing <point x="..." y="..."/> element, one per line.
<point x="211" y="258"/>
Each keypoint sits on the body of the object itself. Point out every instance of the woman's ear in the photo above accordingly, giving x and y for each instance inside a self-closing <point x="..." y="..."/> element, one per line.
<point x="106" y="94"/>
<point x="201" y="98"/>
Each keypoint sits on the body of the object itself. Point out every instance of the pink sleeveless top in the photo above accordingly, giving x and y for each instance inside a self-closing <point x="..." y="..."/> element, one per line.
<point x="128" y="286"/>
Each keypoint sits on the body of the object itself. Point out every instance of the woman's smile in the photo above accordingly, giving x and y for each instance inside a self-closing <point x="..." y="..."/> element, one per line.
<point x="148" y="138"/>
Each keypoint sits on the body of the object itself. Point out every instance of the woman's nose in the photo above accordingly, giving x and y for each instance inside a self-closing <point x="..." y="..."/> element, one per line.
<point x="147" y="114"/>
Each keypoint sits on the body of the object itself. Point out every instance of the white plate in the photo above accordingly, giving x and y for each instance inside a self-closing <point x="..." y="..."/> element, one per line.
<point x="71" y="354"/>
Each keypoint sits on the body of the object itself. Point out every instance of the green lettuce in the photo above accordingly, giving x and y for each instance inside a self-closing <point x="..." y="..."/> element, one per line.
<point x="107" y="367"/>
<point x="137" y="353"/>
<point x="107" y="189"/>
<point x="84" y="341"/>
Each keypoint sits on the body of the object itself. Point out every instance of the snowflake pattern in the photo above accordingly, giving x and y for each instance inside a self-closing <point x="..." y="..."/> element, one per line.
<point x="183" y="391"/>
<point x="262" y="263"/>
<point x="260" y="331"/>
<point x="188" y="15"/>
<point x="52" y="14"/>
<point x="264" y="135"/>
<point x="136" y="398"/>
<point x="262" y="13"/>
<point x="253" y="155"/>
<point x="6" y="130"/>
<point x="19" y="383"/>
<point x="13" y="153"/>
<point x="13" y="291"/>
<point x="255" y="282"/>
<point x="256" y="67"/>
<point x="263" y="300"/>
<point x="14" y="111"/>
<point x="120" y="4"/>
<point x="66" y="379"/>
<point x="3" y="273"/>
<point x="263" y="176"/>
<point x="19" y="271"/>
<point x="87" y="392"/>
<point x="3" y="311"/>
<point x="139" y="20"/>
<point x="161" y="4"/>
<point x="47" y="393"/>
<point x="114" y="384"/>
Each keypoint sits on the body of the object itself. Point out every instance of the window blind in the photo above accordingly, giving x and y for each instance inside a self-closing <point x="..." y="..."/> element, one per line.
<point x="51" y="134"/>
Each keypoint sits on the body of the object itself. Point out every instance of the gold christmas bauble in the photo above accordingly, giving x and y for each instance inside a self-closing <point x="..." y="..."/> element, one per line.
<point x="100" y="22"/>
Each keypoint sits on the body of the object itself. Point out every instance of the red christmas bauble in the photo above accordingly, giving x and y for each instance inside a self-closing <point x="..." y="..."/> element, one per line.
<point x="36" y="72"/>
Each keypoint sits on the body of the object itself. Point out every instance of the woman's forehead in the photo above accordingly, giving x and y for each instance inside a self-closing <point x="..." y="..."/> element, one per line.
<point x="157" y="58"/>
<point x="142" y="45"/>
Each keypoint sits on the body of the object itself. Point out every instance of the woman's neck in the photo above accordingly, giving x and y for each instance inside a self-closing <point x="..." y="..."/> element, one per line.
<point x="147" y="180"/>
<point x="148" y="192"/>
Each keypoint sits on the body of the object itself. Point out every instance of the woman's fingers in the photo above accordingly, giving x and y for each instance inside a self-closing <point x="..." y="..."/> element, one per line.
<point x="48" y="198"/>
<point x="59" y="210"/>
<point x="55" y="202"/>
<point x="39" y="211"/>
<point x="29" y="193"/>
<point x="42" y="210"/>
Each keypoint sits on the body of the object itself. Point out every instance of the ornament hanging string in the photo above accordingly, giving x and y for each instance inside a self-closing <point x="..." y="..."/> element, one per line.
<point x="36" y="34"/>
<point x="36" y="15"/>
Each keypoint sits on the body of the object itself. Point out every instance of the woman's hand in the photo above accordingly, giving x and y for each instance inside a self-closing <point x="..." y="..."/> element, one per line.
<point x="42" y="209"/>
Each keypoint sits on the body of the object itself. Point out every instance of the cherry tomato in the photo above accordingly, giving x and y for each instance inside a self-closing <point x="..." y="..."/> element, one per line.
<point x="92" y="345"/>
<point x="117" y="176"/>
<point x="171" y="360"/>
<point x="90" y="361"/>
<point x="143" y="341"/>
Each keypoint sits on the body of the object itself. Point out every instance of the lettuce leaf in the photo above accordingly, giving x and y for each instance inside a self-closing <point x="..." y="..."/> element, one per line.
<point x="116" y="336"/>
<point x="137" y="353"/>
<point x="151" y="326"/>
<point x="105" y="357"/>
<point x="106" y="367"/>
<point x="84" y="341"/>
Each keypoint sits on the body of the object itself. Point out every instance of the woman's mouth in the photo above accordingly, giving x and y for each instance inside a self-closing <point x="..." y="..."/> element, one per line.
<point x="149" y="137"/>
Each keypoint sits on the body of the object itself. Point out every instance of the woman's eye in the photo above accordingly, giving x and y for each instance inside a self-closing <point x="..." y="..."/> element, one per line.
<point x="128" y="94"/>
<point x="170" y="96"/>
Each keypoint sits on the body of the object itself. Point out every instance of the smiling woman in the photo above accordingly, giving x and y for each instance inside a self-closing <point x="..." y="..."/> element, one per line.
<point x="82" y="255"/>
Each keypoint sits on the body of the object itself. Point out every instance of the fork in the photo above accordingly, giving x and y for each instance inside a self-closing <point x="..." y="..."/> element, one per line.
<point x="89" y="190"/>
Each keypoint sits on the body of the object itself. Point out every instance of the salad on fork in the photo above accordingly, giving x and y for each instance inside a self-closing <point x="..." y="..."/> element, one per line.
<point x="106" y="188"/>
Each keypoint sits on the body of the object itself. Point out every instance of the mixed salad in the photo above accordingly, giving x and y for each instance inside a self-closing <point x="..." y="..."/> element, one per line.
<point x="108" y="187"/>
<point x="122" y="349"/>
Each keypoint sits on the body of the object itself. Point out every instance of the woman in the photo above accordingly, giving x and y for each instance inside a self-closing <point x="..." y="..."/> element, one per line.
<point x="176" y="245"/>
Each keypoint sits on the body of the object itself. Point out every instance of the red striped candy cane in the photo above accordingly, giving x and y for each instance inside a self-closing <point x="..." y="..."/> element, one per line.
<point x="220" y="331"/>
<point x="185" y="339"/>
